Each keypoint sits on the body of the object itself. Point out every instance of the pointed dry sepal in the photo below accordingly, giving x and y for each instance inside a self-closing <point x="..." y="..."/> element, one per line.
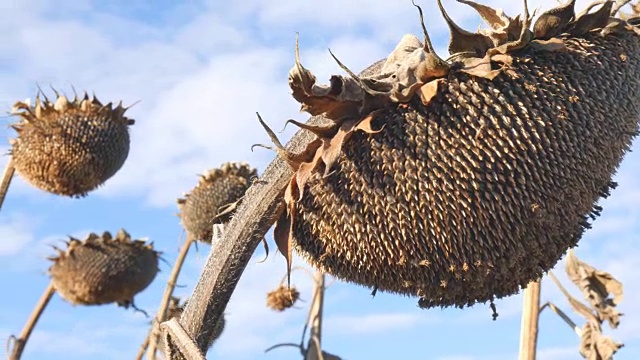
<point x="586" y="21"/>
<point x="554" y="22"/>
<point x="463" y="41"/>
<point x="343" y="97"/>
<point x="523" y="40"/>
<point x="503" y="28"/>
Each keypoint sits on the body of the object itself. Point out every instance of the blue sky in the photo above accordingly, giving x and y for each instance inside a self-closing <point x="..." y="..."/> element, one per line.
<point x="201" y="70"/>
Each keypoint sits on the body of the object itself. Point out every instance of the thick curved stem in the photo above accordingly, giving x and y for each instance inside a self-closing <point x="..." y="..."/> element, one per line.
<point x="154" y="334"/>
<point x="9" y="169"/>
<point x="226" y="262"/>
<point x="20" y="342"/>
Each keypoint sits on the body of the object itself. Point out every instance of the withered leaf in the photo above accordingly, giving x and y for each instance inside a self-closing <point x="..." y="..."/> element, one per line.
<point x="408" y="44"/>
<point x="596" y="286"/>
<point x="365" y="123"/>
<point x="294" y="160"/>
<point x="319" y="130"/>
<point x="554" y="44"/>
<point x="590" y="21"/>
<point x="496" y="18"/>
<point x="505" y="59"/>
<point x="331" y="147"/>
<point x="594" y="345"/>
<point x="306" y="169"/>
<point x="283" y="230"/>
<point x="429" y="90"/>
<point x="342" y="97"/>
<point x="462" y="41"/>
<point x="480" y="67"/>
<point x="553" y="22"/>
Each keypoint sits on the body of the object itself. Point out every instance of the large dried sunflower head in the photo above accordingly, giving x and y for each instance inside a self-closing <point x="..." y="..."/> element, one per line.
<point x="460" y="181"/>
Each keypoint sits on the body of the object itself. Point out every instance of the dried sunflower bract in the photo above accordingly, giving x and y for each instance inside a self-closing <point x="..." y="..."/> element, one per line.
<point x="69" y="147"/>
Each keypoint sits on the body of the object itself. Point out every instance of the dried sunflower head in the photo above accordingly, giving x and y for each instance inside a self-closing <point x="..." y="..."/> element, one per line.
<point x="214" y="198"/>
<point x="104" y="269"/>
<point x="69" y="147"/>
<point x="463" y="180"/>
<point x="282" y="298"/>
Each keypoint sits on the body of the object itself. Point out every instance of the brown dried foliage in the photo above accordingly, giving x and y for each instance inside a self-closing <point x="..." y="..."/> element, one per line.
<point x="596" y="286"/>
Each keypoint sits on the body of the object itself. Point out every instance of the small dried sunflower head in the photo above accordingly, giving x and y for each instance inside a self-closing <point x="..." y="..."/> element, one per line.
<point x="103" y="269"/>
<point x="214" y="198"/>
<point x="282" y="298"/>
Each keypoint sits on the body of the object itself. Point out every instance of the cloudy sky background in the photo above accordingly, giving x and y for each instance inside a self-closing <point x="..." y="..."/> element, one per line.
<point x="201" y="69"/>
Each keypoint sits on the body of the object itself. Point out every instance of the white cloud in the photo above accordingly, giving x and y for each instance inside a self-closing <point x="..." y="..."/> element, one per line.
<point x="15" y="233"/>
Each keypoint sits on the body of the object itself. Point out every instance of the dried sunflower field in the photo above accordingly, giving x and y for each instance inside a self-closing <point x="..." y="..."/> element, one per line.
<point x="446" y="179"/>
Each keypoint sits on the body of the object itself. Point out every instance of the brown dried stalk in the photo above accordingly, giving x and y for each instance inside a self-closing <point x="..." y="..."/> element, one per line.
<point x="563" y="316"/>
<point x="154" y="332"/>
<point x="227" y="261"/>
<point x="7" y="175"/>
<point x="314" y="348"/>
<point x="529" y="324"/>
<point x="20" y="342"/>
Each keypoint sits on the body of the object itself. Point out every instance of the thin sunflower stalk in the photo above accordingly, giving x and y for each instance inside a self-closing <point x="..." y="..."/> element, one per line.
<point x="102" y="269"/>
<point x="154" y="333"/>
<point x="20" y="342"/>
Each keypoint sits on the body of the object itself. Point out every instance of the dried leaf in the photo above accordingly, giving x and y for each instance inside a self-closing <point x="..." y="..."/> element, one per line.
<point x="294" y="160"/>
<point x="496" y="18"/>
<point x="429" y="90"/>
<point x="283" y="230"/>
<point x="408" y="44"/>
<point x="481" y="68"/>
<point x="365" y="124"/>
<point x="553" y="22"/>
<point x="505" y="59"/>
<point x="341" y="98"/>
<point x="462" y="41"/>
<point x="306" y="169"/>
<point x="590" y="21"/>
<point x="319" y="130"/>
<point x="554" y="44"/>
<point x="596" y="286"/>
<point x="331" y="147"/>
<point x="594" y="345"/>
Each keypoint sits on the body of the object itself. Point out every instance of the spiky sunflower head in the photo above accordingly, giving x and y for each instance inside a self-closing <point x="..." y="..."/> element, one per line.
<point x="461" y="180"/>
<point x="103" y="269"/>
<point x="214" y="199"/>
<point x="69" y="147"/>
